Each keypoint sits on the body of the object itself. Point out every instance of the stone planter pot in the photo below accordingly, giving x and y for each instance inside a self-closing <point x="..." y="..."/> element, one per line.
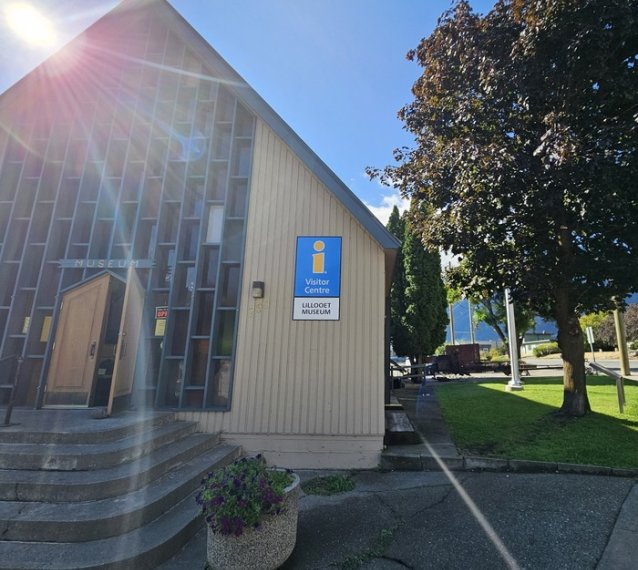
<point x="265" y="548"/>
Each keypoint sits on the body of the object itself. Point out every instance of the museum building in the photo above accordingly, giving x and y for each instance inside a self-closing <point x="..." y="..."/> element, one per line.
<point x="167" y="241"/>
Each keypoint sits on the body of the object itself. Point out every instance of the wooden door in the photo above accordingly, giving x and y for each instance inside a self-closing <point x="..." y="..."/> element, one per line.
<point x="77" y="339"/>
<point x="127" y="342"/>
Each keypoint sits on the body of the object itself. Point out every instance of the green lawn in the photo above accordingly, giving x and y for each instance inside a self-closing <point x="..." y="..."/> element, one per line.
<point x="486" y="420"/>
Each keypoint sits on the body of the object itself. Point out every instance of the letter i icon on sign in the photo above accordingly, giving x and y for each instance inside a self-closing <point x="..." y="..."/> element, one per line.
<point x="318" y="259"/>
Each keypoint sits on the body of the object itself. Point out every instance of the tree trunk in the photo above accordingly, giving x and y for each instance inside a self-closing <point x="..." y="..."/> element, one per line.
<point x="570" y="341"/>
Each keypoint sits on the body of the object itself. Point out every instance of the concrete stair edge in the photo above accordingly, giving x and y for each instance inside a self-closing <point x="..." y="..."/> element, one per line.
<point x="62" y="486"/>
<point x="76" y="437"/>
<point x="86" y="457"/>
<point x="95" y="520"/>
<point x="142" y="548"/>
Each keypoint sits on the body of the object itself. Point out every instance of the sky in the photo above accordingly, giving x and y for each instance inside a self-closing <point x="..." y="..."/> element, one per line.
<point x="334" y="70"/>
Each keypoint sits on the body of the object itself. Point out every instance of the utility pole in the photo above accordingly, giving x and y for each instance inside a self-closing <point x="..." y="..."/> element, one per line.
<point x="515" y="383"/>
<point x="452" y="336"/>
<point x="471" y="319"/>
<point x="619" y="321"/>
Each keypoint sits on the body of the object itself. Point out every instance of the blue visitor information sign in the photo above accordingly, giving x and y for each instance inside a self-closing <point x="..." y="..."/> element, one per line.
<point x="317" y="278"/>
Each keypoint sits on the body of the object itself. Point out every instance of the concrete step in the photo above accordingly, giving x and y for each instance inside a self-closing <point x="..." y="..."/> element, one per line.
<point x="89" y="456"/>
<point x="139" y="549"/>
<point x="398" y="428"/>
<point x="61" y="486"/>
<point x="78" y="426"/>
<point x="83" y="521"/>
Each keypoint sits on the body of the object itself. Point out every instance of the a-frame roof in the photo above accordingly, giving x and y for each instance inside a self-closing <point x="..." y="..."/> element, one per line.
<point x="222" y="70"/>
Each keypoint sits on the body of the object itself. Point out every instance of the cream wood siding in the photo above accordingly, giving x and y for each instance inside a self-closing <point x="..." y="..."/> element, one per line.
<point x="304" y="378"/>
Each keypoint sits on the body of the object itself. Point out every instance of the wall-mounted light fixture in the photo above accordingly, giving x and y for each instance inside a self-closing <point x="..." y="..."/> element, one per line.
<point x="258" y="290"/>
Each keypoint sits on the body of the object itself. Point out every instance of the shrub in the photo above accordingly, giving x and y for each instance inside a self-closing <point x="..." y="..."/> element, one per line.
<point x="545" y="349"/>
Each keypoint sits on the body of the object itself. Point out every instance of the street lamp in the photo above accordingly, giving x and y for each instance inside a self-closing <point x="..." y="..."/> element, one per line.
<point x="515" y="383"/>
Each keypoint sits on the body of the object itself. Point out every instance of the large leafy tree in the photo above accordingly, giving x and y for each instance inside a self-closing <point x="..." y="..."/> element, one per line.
<point x="525" y="122"/>
<point x="491" y="310"/>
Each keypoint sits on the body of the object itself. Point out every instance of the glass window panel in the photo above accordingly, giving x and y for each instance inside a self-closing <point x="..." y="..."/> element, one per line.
<point x="219" y="385"/>
<point x="77" y="252"/>
<point x="18" y="232"/>
<point x="173" y="379"/>
<point x="221" y="141"/>
<point x="184" y="285"/>
<point x="101" y="240"/>
<point x="57" y="243"/>
<point x="9" y="177"/>
<point x="229" y="285"/>
<point x="81" y="232"/>
<point x="145" y="239"/>
<point x="76" y="157"/>
<point x="4" y="220"/>
<point x="190" y="241"/>
<point x="57" y="145"/>
<point x="168" y="225"/>
<point x="209" y="267"/>
<point x="124" y="223"/>
<point x="91" y="182"/>
<point x="237" y="198"/>
<point x="164" y="267"/>
<point x="34" y="161"/>
<point x="40" y="224"/>
<point x="16" y="151"/>
<point x="108" y="198"/>
<point x="8" y="277"/>
<point x="151" y="198"/>
<point x="180" y="332"/>
<point x="116" y="159"/>
<point x="242" y="157"/>
<point x="194" y="198"/>
<point x="218" y="173"/>
<point x="244" y="122"/>
<point x="204" y="313"/>
<point x="174" y="181"/>
<point x="25" y="198"/>
<point x="233" y="234"/>
<point x="48" y="284"/>
<point x="215" y="224"/>
<point x="199" y="362"/>
<point x="67" y="197"/>
<point x="50" y="181"/>
<point x="224" y="333"/>
<point x="71" y="277"/>
<point x="31" y="266"/>
<point x="225" y="105"/>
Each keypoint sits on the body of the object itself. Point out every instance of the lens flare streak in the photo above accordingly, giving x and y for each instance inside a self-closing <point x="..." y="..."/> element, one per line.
<point x="478" y="515"/>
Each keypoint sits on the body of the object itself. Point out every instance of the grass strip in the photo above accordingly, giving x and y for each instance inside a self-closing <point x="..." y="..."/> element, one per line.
<point x="328" y="485"/>
<point x="486" y="420"/>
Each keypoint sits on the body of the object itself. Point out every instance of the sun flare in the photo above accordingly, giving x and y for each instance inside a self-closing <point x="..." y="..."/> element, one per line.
<point x="30" y="24"/>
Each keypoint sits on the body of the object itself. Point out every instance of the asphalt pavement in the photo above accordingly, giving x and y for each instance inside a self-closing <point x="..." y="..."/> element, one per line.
<point x="442" y="519"/>
<point x="427" y="520"/>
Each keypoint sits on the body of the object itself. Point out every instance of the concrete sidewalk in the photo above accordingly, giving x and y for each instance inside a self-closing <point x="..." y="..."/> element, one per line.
<point x="461" y="519"/>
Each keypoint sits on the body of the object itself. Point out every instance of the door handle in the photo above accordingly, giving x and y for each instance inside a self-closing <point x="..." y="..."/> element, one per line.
<point x="92" y="349"/>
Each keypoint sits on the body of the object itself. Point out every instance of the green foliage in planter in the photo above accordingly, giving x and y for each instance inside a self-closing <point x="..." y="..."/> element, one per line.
<point x="241" y="494"/>
<point x="545" y="349"/>
<point x="329" y="485"/>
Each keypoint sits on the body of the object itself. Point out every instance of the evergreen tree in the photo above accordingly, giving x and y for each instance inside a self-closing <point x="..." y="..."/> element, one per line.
<point x="399" y="334"/>
<point x="425" y="315"/>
